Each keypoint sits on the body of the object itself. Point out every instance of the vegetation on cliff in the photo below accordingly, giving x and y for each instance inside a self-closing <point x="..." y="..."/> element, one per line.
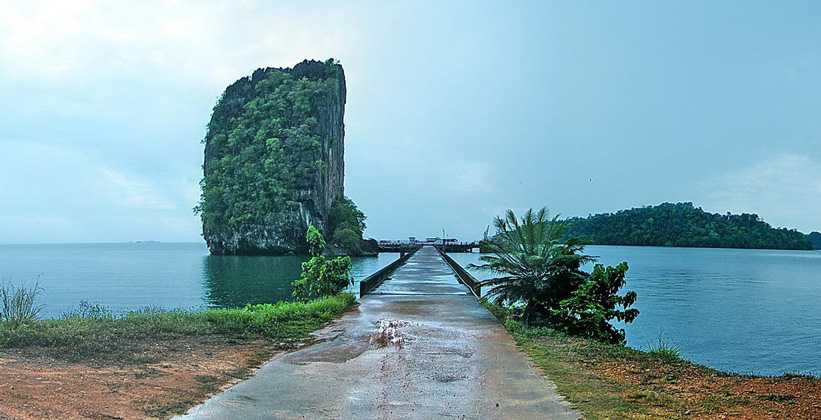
<point x="274" y="160"/>
<point x="347" y="225"/>
<point x="815" y="239"/>
<point x="684" y="225"/>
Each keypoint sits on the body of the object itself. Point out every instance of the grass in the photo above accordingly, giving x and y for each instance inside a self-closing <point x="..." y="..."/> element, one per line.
<point x="606" y="381"/>
<point x="663" y="349"/>
<point x="94" y="333"/>
<point x="18" y="303"/>
<point x="566" y="361"/>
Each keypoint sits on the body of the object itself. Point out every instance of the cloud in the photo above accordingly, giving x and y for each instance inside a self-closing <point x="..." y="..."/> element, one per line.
<point x="211" y="41"/>
<point x="58" y="193"/>
<point x="130" y="191"/>
<point x="101" y="94"/>
<point x="784" y="190"/>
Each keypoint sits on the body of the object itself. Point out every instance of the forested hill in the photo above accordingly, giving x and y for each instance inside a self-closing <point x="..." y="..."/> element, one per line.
<point x="684" y="225"/>
<point x="815" y="239"/>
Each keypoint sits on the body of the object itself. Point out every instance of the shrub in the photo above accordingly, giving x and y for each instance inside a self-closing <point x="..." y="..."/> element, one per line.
<point x="321" y="276"/>
<point x="18" y="304"/>
<point x="88" y="310"/>
<point x="541" y="278"/>
<point x="537" y="270"/>
<point x="590" y="309"/>
<point x="316" y="243"/>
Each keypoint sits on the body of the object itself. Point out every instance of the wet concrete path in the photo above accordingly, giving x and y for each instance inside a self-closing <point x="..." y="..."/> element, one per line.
<point x="419" y="347"/>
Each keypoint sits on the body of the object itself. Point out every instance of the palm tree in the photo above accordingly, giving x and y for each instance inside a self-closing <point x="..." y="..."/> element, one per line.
<point x="537" y="269"/>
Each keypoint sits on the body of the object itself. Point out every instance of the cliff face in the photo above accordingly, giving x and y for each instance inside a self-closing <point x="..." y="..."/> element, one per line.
<point x="274" y="159"/>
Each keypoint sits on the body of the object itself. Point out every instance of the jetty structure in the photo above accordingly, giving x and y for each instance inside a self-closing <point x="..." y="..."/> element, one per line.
<point x="420" y="345"/>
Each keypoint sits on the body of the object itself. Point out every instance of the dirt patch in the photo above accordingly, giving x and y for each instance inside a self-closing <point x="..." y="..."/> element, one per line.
<point x="178" y="374"/>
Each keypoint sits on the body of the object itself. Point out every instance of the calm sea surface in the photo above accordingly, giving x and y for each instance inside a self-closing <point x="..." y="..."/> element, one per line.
<point x="128" y="276"/>
<point x="746" y="311"/>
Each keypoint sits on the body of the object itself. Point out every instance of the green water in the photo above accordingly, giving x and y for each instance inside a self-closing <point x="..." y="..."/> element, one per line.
<point x="128" y="276"/>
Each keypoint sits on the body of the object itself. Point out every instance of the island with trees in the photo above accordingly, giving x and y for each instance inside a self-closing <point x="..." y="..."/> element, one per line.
<point x="684" y="225"/>
<point x="274" y="164"/>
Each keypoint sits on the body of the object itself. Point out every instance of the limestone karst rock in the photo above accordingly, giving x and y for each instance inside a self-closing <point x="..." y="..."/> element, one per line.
<point x="274" y="159"/>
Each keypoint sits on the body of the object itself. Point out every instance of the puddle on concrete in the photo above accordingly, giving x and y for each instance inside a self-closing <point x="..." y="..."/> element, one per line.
<point x="389" y="333"/>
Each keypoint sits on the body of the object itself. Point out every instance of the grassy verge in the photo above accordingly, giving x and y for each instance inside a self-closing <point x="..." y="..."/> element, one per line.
<point x="608" y="381"/>
<point x="144" y="364"/>
<point x="99" y="336"/>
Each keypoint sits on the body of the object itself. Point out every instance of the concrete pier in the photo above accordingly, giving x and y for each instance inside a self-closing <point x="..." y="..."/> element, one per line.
<point x="419" y="346"/>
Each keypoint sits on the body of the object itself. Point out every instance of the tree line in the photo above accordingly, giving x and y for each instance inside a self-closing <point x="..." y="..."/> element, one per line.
<point x="684" y="225"/>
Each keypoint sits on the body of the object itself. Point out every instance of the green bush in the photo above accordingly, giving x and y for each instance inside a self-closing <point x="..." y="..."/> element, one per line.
<point x="321" y="276"/>
<point x="541" y="278"/>
<point x="590" y="309"/>
<point x="315" y="241"/>
<point x="87" y="310"/>
<point x="536" y="270"/>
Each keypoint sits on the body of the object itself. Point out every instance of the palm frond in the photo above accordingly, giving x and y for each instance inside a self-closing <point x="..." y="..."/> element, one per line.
<point x="531" y="261"/>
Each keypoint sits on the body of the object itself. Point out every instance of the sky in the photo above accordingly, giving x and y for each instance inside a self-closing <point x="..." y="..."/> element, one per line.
<point x="456" y="110"/>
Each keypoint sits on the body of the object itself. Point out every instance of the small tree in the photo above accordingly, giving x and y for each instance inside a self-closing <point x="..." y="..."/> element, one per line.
<point x="590" y="309"/>
<point x="542" y="275"/>
<point x="537" y="269"/>
<point x="315" y="240"/>
<point x="321" y="276"/>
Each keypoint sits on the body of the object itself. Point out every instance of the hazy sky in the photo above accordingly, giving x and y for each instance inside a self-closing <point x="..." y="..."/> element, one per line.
<point x="456" y="110"/>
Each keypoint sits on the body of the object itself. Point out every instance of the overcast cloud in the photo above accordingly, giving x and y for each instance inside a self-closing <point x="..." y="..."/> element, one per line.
<point x="456" y="110"/>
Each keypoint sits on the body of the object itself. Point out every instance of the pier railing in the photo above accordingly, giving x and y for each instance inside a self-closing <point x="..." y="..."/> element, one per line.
<point x="373" y="281"/>
<point x="463" y="275"/>
<point x="398" y="246"/>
